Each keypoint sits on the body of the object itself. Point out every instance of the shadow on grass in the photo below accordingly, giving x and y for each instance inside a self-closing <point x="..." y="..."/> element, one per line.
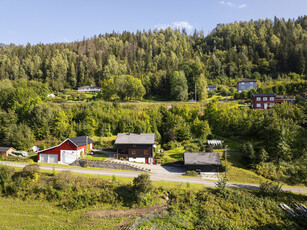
<point x="178" y="156"/>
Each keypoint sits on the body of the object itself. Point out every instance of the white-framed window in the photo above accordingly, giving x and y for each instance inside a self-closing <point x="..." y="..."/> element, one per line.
<point x="271" y="104"/>
<point x="258" y="98"/>
<point x="271" y="98"/>
<point x="258" y="105"/>
<point x="265" y="98"/>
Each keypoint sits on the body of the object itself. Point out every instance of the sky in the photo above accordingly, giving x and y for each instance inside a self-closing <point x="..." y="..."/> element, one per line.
<point x="41" y="21"/>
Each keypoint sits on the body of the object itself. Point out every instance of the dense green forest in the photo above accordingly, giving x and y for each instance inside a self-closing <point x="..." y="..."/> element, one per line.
<point x="166" y="61"/>
<point x="275" y="139"/>
<point x="165" y="64"/>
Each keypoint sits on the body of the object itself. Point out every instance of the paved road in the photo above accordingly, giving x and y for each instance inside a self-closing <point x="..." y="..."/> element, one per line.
<point x="154" y="176"/>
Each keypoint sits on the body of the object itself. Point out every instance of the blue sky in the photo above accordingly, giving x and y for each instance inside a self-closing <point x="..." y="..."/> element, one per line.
<point x="41" y="21"/>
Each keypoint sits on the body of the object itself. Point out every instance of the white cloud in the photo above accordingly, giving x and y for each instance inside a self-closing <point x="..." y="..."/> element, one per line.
<point x="233" y="5"/>
<point x="241" y="6"/>
<point x="176" y="25"/>
<point x="183" y="24"/>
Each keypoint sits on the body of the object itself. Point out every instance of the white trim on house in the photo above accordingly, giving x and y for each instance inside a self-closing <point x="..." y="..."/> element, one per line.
<point x="56" y="146"/>
<point x="140" y="159"/>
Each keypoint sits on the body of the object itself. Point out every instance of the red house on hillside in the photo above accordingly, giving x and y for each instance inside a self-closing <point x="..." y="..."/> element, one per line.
<point x="66" y="152"/>
<point x="264" y="100"/>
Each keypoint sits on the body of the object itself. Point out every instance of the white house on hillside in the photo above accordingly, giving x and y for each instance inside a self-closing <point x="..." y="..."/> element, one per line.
<point x="89" y="89"/>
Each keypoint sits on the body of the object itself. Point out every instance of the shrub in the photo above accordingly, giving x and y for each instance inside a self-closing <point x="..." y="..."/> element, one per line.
<point x="221" y="184"/>
<point x="30" y="171"/>
<point x="270" y="188"/>
<point x="141" y="186"/>
<point x="191" y="147"/>
<point x="63" y="180"/>
<point x="267" y="170"/>
<point x="171" y="145"/>
<point x="191" y="173"/>
<point x="6" y="174"/>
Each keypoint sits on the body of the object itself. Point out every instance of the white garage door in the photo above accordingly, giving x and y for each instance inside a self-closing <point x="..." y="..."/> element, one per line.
<point x="53" y="158"/>
<point x="43" y="158"/>
<point x="69" y="157"/>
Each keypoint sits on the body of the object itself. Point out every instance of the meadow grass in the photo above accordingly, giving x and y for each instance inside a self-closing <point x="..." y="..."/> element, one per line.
<point x="40" y="214"/>
<point x="174" y="154"/>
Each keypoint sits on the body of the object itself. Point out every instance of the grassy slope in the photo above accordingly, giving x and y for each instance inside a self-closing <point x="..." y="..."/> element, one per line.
<point x="43" y="215"/>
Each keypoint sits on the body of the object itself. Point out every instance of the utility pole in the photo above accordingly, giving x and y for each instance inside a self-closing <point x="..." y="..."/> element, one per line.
<point x="195" y="93"/>
<point x="86" y="151"/>
<point x="226" y="161"/>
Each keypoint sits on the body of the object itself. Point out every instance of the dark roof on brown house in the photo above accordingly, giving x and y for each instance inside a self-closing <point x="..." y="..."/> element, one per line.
<point x="135" y="138"/>
<point x="201" y="158"/>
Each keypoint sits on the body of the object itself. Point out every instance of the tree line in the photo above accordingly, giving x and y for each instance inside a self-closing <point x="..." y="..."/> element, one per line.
<point x="166" y="61"/>
<point x="277" y="135"/>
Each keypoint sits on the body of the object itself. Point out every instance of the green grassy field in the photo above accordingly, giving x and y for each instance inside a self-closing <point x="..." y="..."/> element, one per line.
<point x="19" y="214"/>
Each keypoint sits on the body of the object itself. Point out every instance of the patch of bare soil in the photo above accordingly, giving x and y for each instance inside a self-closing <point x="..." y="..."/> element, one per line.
<point x="135" y="212"/>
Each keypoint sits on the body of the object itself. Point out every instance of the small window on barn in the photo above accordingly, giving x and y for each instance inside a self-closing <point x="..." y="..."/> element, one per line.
<point x="146" y="152"/>
<point x="265" y="99"/>
<point x="258" y="105"/>
<point x="133" y="152"/>
<point x="271" y="98"/>
<point x="258" y="98"/>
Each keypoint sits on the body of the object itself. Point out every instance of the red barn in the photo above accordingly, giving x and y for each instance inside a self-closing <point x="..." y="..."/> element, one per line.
<point x="264" y="100"/>
<point x="66" y="152"/>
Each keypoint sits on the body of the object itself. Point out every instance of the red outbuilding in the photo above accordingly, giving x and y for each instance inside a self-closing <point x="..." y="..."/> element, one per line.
<point x="66" y="152"/>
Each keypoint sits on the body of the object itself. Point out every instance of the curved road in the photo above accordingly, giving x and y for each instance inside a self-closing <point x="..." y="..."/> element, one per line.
<point x="153" y="176"/>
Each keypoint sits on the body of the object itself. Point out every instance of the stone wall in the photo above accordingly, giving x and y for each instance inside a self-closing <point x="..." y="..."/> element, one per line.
<point x="106" y="165"/>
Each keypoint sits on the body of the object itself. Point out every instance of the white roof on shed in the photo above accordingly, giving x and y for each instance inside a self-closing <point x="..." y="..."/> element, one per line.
<point x="214" y="142"/>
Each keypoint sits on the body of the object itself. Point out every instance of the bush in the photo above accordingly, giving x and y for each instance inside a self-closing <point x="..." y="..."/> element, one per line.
<point x="270" y="188"/>
<point x="191" y="173"/>
<point x="141" y="186"/>
<point x="191" y="147"/>
<point x="30" y="171"/>
<point x="6" y="174"/>
<point x="267" y="170"/>
<point x="221" y="184"/>
<point x="171" y="145"/>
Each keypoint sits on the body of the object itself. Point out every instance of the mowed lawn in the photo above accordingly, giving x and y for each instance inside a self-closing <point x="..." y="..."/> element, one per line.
<point x="19" y="214"/>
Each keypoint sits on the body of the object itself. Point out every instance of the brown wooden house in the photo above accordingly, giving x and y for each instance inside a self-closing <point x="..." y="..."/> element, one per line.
<point x="5" y="151"/>
<point x="135" y="147"/>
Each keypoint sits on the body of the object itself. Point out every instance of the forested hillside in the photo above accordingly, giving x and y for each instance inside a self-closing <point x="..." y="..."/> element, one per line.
<point x="167" y="61"/>
<point x="166" y="64"/>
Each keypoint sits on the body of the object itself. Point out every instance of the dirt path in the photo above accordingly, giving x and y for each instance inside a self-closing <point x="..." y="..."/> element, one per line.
<point x="113" y="213"/>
